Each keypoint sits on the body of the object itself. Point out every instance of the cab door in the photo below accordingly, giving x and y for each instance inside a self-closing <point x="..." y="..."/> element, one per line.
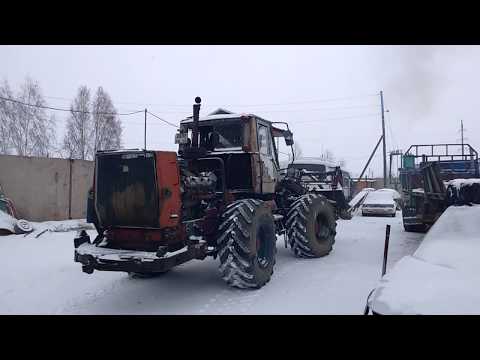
<point x="268" y="166"/>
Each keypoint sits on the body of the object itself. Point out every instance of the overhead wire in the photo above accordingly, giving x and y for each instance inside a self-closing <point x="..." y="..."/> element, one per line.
<point x="240" y="105"/>
<point x="69" y="110"/>
<point x="176" y="126"/>
<point x="317" y="109"/>
<point x="165" y="121"/>
<point x="335" y="118"/>
<point x="305" y="101"/>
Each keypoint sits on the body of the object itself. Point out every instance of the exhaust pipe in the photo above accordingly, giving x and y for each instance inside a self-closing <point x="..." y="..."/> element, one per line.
<point x="196" y="113"/>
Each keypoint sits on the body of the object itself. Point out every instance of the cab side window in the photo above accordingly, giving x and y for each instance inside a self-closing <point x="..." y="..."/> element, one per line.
<point x="264" y="143"/>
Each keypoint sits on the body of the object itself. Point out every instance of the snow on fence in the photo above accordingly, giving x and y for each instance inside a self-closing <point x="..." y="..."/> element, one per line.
<point x="46" y="188"/>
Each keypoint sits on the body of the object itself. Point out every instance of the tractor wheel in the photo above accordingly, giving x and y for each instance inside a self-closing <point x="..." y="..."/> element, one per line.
<point x="247" y="244"/>
<point x="311" y="226"/>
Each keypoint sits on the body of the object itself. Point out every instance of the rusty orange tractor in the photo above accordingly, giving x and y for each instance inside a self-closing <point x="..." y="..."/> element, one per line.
<point x="220" y="195"/>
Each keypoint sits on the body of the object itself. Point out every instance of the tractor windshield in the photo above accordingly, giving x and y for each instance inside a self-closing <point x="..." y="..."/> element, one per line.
<point x="230" y="134"/>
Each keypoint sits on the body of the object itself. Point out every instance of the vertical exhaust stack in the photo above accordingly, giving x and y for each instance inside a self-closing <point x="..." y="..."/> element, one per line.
<point x="196" y="113"/>
<point x="194" y="151"/>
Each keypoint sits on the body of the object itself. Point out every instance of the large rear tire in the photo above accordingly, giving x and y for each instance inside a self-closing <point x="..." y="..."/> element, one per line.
<point x="247" y="244"/>
<point x="311" y="226"/>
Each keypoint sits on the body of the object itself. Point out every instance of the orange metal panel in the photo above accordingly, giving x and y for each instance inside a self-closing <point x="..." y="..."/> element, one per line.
<point x="168" y="178"/>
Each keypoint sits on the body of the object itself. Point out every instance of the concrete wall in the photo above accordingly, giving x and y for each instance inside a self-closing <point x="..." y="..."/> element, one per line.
<point x="40" y="188"/>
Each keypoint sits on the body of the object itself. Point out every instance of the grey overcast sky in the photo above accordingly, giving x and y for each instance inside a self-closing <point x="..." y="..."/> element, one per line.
<point x="328" y="94"/>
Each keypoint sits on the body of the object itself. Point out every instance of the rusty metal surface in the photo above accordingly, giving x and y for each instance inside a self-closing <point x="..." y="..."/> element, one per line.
<point x="168" y="182"/>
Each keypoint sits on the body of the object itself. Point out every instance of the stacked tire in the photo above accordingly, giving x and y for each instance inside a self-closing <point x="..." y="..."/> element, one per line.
<point x="463" y="192"/>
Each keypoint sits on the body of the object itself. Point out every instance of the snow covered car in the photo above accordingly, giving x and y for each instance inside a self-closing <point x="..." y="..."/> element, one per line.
<point x="10" y="225"/>
<point x="8" y="221"/>
<point x="395" y="194"/>
<point x="379" y="203"/>
<point x="441" y="277"/>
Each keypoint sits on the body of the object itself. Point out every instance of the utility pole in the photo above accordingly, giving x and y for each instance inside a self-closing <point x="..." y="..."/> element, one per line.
<point x="384" y="144"/>
<point x="370" y="159"/>
<point x="145" y="132"/>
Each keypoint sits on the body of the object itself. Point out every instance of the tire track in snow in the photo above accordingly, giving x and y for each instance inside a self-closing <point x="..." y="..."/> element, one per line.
<point x="241" y="301"/>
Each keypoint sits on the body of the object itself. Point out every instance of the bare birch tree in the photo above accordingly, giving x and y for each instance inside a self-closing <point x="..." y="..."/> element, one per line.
<point x="107" y="127"/>
<point x="78" y="142"/>
<point x="7" y="111"/>
<point x="32" y="130"/>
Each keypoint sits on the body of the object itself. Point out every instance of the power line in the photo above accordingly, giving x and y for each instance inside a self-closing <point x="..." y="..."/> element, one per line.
<point x="389" y="128"/>
<point x="268" y="111"/>
<point x="119" y="102"/>
<point x="67" y="110"/>
<point x="336" y="118"/>
<point x="302" y="102"/>
<point x="165" y="121"/>
<point x="240" y="105"/>
<point x="319" y="109"/>
<point x="171" y="124"/>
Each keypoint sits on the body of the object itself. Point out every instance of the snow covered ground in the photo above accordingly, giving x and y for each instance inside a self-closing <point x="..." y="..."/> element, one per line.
<point x="39" y="276"/>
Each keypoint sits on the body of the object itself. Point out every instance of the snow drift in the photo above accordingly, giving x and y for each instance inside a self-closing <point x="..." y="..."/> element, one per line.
<point x="442" y="276"/>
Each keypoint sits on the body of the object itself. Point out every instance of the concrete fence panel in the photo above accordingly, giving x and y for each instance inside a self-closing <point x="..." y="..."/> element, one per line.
<point x="46" y="188"/>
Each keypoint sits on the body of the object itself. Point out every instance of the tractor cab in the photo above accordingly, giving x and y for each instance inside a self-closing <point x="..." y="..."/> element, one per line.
<point x="243" y="144"/>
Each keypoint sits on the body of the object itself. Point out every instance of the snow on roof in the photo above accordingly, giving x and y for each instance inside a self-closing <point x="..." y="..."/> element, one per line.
<point x="393" y="192"/>
<point x="359" y="197"/>
<point x="418" y="191"/>
<point x="220" y="111"/>
<point x="459" y="183"/>
<point x="223" y="114"/>
<point x="315" y="161"/>
<point x="379" y="197"/>
<point x="213" y="117"/>
<point x="442" y="276"/>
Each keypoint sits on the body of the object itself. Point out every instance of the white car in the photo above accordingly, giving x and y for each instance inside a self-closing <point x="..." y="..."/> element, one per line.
<point x="379" y="203"/>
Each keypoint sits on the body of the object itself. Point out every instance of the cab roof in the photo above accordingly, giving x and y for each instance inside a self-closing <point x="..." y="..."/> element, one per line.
<point x="223" y="114"/>
<point x="220" y="114"/>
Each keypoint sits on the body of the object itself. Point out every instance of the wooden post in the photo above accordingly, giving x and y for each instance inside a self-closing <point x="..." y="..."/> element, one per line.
<point x="385" y="250"/>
